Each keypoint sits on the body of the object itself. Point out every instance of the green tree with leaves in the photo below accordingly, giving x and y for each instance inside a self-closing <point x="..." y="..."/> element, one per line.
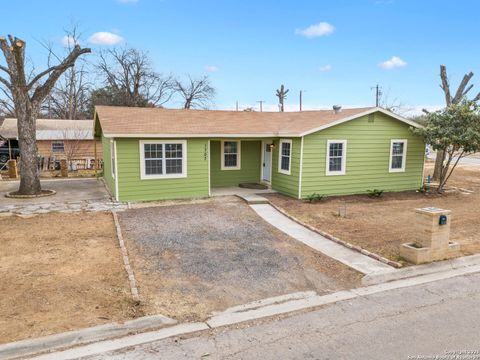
<point x="455" y="131"/>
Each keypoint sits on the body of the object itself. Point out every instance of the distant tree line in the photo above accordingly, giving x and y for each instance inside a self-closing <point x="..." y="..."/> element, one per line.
<point x="121" y="76"/>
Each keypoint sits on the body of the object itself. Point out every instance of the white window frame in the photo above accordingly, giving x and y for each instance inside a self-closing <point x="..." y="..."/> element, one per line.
<point x="113" y="158"/>
<point x="343" y="171"/>
<point x="58" y="151"/>
<point x="144" y="176"/>
<point x="404" y="155"/>
<point x="239" y="155"/>
<point x="280" y="170"/>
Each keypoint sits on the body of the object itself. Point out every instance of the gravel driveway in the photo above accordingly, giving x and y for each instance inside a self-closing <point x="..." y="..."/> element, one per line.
<point x="192" y="259"/>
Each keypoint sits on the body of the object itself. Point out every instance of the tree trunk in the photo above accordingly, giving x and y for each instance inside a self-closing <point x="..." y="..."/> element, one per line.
<point x="438" y="165"/>
<point x="30" y="173"/>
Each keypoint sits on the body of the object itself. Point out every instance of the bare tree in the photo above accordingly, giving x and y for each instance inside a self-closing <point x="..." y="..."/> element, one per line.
<point x="28" y="96"/>
<point x="130" y="80"/>
<point x="7" y="108"/>
<point x="459" y="95"/>
<point x="74" y="139"/>
<point x="70" y="96"/>
<point x="282" y="95"/>
<point x="195" y="93"/>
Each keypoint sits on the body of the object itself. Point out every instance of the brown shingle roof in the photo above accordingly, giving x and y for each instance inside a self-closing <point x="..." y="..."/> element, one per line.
<point x="118" y="121"/>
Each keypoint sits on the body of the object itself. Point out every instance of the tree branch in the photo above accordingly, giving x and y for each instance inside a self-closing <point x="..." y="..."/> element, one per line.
<point x="6" y="83"/>
<point x="42" y="74"/>
<point x="460" y="91"/>
<point x="42" y="91"/>
<point x="3" y="68"/>
<point x="445" y="85"/>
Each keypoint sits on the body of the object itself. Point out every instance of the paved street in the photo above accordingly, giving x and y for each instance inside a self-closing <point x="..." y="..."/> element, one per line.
<point x="468" y="160"/>
<point x="424" y="320"/>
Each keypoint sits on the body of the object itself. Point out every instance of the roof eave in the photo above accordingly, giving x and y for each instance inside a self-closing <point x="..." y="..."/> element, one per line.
<point x="368" y="112"/>
<point x="177" y="136"/>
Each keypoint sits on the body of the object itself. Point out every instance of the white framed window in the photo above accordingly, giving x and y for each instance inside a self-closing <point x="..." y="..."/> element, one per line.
<point x="398" y="155"/>
<point x="58" y="147"/>
<point x="163" y="159"/>
<point x="285" y="156"/>
<point x="230" y="155"/>
<point x="112" y="158"/>
<point x="336" y="157"/>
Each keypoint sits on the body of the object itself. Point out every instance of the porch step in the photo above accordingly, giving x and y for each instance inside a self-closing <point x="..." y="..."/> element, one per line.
<point x="253" y="199"/>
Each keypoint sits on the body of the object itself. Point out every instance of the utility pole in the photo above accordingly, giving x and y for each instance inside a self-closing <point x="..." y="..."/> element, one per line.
<point x="378" y="94"/>
<point x="236" y="105"/>
<point x="301" y="93"/>
<point x="261" y="104"/>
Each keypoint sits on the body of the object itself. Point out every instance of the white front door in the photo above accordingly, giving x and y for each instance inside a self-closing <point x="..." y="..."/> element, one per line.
<point x="267" y="161"/>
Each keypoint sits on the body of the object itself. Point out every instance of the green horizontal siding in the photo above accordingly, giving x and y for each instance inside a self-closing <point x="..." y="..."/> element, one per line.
<point x="368" y="156"/>
<point x="107" y="165"/>
<point x="132" y="188"/>
<point x="249" y="165"/>
<point x="283" y="183"/>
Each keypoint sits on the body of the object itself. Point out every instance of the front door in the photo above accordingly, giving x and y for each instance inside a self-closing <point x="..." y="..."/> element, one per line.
<point x="267" y="161"/>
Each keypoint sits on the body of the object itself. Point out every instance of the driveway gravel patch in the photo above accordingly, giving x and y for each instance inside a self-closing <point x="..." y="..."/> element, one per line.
<point x="193" y="259"/>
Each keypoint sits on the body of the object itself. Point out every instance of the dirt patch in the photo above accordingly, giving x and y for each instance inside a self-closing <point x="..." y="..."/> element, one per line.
<point x="191" y="260"/>
<point x="60" y="272"/>
<point x="382" y="224"/>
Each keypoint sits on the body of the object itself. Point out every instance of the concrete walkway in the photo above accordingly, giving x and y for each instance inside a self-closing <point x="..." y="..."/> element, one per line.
<point x="355" y="260"/>
<point x="72" y="195"/>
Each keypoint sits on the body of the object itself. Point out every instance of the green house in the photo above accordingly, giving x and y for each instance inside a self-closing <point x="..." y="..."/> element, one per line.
<point x="156" y="154"/>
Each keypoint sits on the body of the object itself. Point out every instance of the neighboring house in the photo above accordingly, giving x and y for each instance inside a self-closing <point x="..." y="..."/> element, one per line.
<point x="59" y="139"/>
<point x="152" y="154"/>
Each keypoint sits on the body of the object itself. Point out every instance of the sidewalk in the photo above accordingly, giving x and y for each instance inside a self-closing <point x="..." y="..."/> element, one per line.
<point x="355" y="260"/>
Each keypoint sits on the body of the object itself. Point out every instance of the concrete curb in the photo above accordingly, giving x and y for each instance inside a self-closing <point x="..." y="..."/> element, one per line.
<point x="77" y="337"/>
<point x="425" y="269"/>
<point x="267" y="307"/>
<point x="337" y="240"/>
<point x="230" y="318"/>
<point x="126" y="260"/>
<point x="116" y="344"/>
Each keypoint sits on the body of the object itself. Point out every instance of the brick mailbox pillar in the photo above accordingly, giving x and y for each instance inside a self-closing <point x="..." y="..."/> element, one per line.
<point x="432" y="237"/>
<point x="12" y="169"/>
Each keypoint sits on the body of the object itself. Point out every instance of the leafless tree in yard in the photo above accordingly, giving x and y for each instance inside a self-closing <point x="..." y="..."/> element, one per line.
<point x="130" y="80"/>
<point x="73" y="142"/>
<point x="70" y="96"/>
<point x="28" y="96"/>
<point x="195" y="93"/>
<point x="459" y="95"/>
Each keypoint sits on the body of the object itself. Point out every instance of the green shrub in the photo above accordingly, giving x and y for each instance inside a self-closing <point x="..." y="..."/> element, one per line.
<point x="375" y="193"/>
<point x="315" y="197"/>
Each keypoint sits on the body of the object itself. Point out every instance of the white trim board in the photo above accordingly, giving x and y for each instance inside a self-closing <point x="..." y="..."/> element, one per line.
<point x="239" y="155"/>
<point x="344" y="158"/>
<point x="209" y="175"/>
<point x="356" y="116"/>
<point x="144" y="176"/>
<point x="301" y="170"/>
<point x="404" y="155"/>
<point x="280" y="170"/>
<point x="117" y="195"/>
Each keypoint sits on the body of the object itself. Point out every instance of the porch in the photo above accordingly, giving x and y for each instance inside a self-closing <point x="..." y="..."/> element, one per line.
<point x="238" y="161"/>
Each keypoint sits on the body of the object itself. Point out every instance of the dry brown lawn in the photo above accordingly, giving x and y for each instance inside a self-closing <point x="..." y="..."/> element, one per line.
<point x="60" y="272"/>
<point x="381" y="225"/>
